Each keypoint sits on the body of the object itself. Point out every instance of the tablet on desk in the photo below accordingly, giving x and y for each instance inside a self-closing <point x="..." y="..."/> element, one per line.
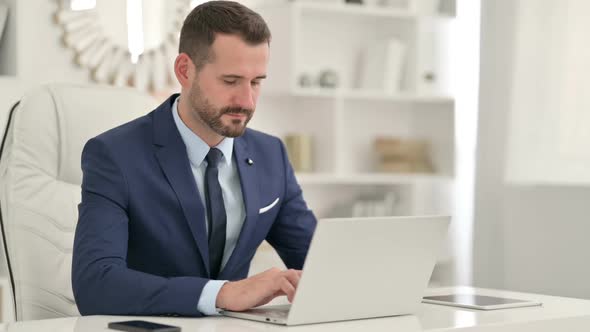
<point x="480" y="302"/>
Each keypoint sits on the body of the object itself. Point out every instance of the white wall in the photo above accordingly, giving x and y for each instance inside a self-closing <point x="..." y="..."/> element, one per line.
<point x="41" y="57"/>
<point x="36" y="53"/>
<point x="528" y="238"/>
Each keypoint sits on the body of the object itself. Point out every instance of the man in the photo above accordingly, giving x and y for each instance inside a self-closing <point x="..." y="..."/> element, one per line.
<point x="175" y="203"/>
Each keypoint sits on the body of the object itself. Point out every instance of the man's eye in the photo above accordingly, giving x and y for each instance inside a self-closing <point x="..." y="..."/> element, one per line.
<point x="255" y="83"/>
<point x="230" y="82"/>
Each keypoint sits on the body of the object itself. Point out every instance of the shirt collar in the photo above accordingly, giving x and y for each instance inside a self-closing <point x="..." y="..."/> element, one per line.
<point x="196" y="148"/>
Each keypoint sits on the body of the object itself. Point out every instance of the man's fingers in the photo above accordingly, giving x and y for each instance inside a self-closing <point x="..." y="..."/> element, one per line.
<point x="266" y="300"/>
<point x="293" y="277"/>
<point x="288" y="289"/>
<point x="262" y="287"/>
<point x="285" y="282"/>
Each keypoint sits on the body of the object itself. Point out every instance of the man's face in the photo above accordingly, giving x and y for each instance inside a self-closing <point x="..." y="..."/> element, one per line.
<point x="224" y="92"/>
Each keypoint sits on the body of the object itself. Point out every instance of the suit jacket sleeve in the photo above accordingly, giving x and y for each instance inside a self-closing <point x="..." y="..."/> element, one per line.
<point x="291" y="232"/>
<point x="102" y="282"/>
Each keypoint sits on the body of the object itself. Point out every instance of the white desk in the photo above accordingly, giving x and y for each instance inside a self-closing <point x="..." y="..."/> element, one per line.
<point x="557" y="314"/>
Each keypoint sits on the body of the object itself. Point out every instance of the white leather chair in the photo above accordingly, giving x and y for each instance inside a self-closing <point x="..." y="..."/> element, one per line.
<point x="40" y="179"/>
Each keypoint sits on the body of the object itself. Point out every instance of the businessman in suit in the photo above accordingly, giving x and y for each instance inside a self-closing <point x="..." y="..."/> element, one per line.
<point x="175" y="203"/>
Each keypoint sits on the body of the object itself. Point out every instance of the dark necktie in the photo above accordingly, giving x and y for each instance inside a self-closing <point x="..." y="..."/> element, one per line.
<point x="216" y="217"/>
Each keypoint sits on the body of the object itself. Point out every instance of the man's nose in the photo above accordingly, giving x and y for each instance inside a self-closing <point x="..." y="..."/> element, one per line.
<point x="245" y="97"/>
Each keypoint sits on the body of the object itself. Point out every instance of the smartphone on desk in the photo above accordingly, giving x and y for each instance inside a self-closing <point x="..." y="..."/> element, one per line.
<point x="142" y="326"/>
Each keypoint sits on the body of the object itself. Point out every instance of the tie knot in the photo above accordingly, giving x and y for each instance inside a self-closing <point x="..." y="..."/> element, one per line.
<point x="214" y="157"/>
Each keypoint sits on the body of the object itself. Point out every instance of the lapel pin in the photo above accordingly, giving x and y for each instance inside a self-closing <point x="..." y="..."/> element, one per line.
<point x="250" y="161"/>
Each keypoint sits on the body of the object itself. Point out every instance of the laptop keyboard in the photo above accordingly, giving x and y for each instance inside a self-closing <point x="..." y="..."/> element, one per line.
<point x="278" y="311"/>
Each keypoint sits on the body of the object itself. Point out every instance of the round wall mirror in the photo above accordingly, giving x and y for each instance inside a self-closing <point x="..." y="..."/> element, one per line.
<point x="125" y="42"/>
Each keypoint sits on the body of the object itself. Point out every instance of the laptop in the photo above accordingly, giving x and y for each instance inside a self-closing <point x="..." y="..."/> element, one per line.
<point x="360" y="268"/>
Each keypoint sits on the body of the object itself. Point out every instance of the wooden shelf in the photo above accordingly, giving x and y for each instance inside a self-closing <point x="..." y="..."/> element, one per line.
<point x="366" y="11"/>
<point x="369" y="178"/>
<point x="350" y="94"/>
<point x="357" y="10"/>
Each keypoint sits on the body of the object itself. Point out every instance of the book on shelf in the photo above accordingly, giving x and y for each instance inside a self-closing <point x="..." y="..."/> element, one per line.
<point x="299" y="150"/>
<point x="397" y="4"/>
<point x="403" y="155"/>
<point x="381" y="66"/>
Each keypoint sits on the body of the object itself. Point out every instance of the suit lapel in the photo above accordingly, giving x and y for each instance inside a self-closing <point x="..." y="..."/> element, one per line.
<point x="249" y="185"/>
<point x="172" y="157"/>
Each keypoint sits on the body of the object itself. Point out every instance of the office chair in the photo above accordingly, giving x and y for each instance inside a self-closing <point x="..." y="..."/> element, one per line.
<point x="40" y="177"/>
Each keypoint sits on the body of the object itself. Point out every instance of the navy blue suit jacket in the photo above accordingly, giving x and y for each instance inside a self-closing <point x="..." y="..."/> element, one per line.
<point x="140" y="246"/>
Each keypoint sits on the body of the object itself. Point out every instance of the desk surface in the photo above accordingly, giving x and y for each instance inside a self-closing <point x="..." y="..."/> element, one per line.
<point x="556" y="314"/>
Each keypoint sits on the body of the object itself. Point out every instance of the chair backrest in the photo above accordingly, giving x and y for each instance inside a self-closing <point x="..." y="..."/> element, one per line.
<point x="40" y="177"/>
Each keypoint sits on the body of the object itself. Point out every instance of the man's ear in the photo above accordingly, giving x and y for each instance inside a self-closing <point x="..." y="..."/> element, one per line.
<point x="185" y="70"/>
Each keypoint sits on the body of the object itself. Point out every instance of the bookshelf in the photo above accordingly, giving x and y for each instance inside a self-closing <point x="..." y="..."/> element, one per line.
<point x="345" y="120"/>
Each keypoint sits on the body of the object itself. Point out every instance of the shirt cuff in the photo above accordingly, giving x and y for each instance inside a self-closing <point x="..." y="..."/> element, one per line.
<point x="208" y="297"/>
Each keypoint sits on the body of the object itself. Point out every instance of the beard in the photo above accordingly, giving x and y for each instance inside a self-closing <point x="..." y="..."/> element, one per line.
<point x="212" y="116"/>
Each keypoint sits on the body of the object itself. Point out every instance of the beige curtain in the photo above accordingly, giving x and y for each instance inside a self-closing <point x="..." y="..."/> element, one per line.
<point x="549" y="129"/>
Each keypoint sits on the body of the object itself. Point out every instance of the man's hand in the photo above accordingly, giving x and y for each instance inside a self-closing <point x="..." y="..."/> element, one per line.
<point x="258" y="289"/>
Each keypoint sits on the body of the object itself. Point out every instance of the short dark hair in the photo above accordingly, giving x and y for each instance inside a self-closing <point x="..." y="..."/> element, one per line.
<point x="229" y="17"/>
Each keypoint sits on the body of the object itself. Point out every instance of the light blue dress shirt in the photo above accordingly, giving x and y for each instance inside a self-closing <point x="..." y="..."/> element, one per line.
<point x="229" y="180"/>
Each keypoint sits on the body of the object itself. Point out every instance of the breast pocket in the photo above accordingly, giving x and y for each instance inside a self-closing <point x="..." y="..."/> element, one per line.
<point x="269" y="206"/>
